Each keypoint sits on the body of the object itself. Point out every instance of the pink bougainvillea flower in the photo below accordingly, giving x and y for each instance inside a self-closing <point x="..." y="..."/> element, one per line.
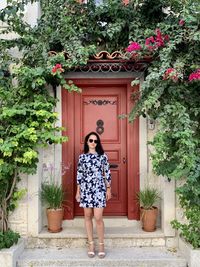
<point x="195" y="75"/>
<point x="54" y="70"/>
<point x="157" y="41"/>
<point x="133" y="46"/>
<point x="57" y="67"/>
<point x="160" y="39"/>
<point x="150" y="43"/>
<point x="171" y="74"/>
<point x="181" y="22"/>
<point x="166" y="38"/>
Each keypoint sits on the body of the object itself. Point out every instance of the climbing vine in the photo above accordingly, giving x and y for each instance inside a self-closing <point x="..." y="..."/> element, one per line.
<point x="171" y="95"/>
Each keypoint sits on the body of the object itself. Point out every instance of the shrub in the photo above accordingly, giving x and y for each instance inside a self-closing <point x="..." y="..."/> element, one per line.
<point x="8" y="238"/>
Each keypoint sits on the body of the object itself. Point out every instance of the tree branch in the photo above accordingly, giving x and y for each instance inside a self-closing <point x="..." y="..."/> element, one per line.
<point x="12" y="187"/>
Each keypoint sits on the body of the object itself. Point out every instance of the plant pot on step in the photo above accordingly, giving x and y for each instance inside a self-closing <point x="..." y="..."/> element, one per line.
<point x="148" y="218"/>
<point x="52" y="196"/>
<point x="147" y="198"/>
<point x="55" y="217"/>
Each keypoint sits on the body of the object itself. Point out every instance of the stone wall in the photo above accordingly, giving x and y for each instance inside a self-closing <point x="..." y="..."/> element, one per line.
<point x="18" y="218"/>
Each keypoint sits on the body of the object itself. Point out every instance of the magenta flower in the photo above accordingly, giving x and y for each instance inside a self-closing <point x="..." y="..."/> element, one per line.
<point x="171" y="74"/>
<point x="159" y="38"/>
<point x="181" y="22"/>
<point x="166" y="38"/>
<point x="157" y="41"/>
<point x="133" y="46"/>
<point x="150" y="43"/>
<point x="57" y="67"/>
<point x="195" y="75"/>
<point x="54" y="70"/>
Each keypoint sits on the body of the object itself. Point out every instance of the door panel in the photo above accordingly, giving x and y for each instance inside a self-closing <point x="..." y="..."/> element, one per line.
<point x="98" y="109"/>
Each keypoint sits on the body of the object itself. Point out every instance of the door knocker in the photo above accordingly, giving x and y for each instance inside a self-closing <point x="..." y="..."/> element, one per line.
<point x="100" y="128"/>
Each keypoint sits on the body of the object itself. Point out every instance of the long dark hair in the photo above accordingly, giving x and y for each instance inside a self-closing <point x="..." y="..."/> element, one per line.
<point x="99" y="148"/>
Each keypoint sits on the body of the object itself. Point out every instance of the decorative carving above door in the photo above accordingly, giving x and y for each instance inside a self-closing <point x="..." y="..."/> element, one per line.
<point x="100" y="102"/>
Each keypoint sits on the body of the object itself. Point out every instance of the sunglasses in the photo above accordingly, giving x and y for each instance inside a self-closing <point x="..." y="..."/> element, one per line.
<point x="91" y="141"/>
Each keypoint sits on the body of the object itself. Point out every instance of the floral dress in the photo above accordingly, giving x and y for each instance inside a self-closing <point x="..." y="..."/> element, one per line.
<point x="91" y="167"/>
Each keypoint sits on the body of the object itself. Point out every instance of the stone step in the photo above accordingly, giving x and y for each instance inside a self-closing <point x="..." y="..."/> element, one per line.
<point x="124" y="237"/>
<point x="118" y="221"/>
<point x="134" y="257"/>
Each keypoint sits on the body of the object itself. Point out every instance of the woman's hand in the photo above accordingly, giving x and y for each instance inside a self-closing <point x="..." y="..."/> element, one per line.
<point x="108" y="193"/>
<point x="78" y="196"/>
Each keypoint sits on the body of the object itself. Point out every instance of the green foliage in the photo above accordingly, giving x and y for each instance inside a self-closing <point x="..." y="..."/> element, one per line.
<point x="52" y="195"/>
<point x="174" y="104"/>
<point x="8" y="238"/>
<point x="190" y="230"/>
<point x="189" y="197"/>
<point x="173" y="101"/>
<point x="148" y="197"/>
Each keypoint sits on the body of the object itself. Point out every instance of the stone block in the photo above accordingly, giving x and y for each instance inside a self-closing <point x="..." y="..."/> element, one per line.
<point x="172" y="242"/>
<point x="192" y="255"/>
<point x="158" y="242"/>
<point x="9" y="256"/>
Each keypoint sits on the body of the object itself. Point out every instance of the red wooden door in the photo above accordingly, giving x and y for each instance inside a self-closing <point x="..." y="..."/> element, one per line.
<point x="99" y="105"/>
<point x="97" y="109"/>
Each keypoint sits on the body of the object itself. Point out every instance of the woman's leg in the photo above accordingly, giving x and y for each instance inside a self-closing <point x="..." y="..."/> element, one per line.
<point x="88" y="214"/>
<point x="98" y="215"/>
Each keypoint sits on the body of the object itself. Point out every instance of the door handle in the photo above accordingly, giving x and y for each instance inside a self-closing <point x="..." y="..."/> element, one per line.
<point x="113" y="166"/>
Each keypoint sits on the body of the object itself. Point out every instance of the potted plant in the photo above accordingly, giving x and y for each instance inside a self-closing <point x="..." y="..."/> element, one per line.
<point x="148" y="212"/>
<point x="52" y="195"/>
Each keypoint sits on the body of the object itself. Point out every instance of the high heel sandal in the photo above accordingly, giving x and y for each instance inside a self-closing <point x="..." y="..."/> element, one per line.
<point x="101" y="254"/>
<point x="90" y="253"/>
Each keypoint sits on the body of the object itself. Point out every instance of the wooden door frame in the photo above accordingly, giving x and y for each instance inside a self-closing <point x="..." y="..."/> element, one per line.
<point x="68" y="151"/>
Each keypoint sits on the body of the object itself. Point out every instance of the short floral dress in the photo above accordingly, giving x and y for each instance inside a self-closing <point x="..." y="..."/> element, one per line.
<point x="91" y="167"/>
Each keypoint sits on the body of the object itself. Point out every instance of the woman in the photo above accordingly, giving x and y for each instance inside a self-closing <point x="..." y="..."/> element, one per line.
<point x="93" y="189"/>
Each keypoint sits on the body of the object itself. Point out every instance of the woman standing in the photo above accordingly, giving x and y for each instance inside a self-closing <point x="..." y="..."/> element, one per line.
<point x="93" y="189"/>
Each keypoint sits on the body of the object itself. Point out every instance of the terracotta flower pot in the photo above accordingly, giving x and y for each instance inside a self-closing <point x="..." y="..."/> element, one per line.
<point x="55" y="218"/>
<point x="148" y="219"/>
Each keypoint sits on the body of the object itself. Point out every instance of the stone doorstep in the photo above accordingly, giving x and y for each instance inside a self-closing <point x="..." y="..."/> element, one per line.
<point x="75" y="237"/>
<point x="114" y="228"/>
<point x="119" y="232"/>
<point x="135" y="257"/>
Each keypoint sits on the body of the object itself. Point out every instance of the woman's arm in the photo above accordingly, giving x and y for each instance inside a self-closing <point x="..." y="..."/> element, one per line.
<point x="107" y="173"/>
<point x="79" y="178"/>
<point x="78" y="193"/>
<point x="107" y="177"/>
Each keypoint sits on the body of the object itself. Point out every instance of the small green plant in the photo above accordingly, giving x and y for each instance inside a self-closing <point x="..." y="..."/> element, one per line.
<point x="190" y="230"/>
<point x="189" y="201"/>
<point x="148" y="197"/>
<point x="8" y="238"/>
<point x="52" y="194"/>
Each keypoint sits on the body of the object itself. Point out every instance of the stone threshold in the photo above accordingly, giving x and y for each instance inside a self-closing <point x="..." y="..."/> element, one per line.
<point x="114" y="227"/>
<point x="128" y="234"/>
<point x="110" y="232"/>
